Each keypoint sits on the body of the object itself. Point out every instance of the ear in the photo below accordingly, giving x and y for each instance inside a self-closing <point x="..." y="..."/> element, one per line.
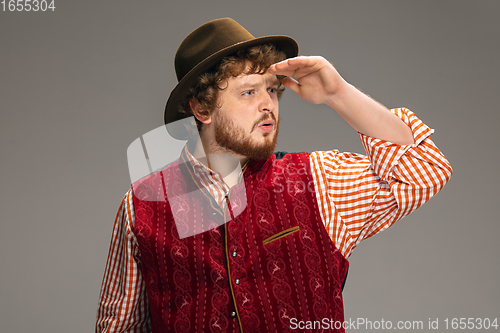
<point x="199" y="112"/>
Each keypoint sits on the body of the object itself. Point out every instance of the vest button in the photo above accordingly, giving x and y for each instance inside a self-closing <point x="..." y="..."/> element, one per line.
<point x="214" y="213"/>
<point x="233" y="314"/>
<point x="237" y="281"/>
<point x="234" y="254"/>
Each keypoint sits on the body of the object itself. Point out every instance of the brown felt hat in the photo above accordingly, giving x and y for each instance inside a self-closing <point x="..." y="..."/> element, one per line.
<point x="205" y="47"/>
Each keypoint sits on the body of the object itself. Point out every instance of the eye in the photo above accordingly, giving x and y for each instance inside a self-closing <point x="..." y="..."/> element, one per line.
<point x="248" y="92"/>
<point x="272" y="90"/>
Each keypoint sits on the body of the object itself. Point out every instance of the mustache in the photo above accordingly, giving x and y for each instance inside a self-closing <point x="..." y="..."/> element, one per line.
<point x="263" y="119"/>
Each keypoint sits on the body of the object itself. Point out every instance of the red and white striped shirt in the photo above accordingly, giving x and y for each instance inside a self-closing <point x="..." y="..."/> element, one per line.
<point x="358" y="196"/>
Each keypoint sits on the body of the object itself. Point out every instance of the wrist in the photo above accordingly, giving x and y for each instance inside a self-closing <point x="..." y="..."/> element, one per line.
<point x="341" y="95"/>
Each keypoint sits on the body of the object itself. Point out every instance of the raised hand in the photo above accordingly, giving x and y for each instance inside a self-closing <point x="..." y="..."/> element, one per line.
<point x="317" y="81"/>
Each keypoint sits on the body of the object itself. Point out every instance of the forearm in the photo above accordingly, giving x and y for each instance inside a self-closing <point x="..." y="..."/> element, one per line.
<point x="123" y="305"/>
<point x="369" y="117"/>
<point x="317" y="81"/>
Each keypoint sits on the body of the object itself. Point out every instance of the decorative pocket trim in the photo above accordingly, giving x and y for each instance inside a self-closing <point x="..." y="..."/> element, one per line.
<point x="281" y="234"/>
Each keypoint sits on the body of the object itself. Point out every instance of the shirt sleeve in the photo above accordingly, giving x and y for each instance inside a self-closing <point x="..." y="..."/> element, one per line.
<point x="359" y="196"/>
<point x="123" y="304"/>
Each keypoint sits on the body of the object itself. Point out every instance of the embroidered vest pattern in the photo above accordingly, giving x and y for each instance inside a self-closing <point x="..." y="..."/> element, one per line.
<point x="271" y="263"/>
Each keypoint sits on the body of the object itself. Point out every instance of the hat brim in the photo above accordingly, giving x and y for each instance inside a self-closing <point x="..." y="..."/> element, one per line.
<point x="286" y="44"/>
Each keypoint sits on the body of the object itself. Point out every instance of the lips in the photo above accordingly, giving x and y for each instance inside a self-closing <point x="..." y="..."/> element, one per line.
<point x="267" y="126"/>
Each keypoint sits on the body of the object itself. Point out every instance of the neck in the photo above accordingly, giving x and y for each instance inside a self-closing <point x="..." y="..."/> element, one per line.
<point x="227" y="164"/>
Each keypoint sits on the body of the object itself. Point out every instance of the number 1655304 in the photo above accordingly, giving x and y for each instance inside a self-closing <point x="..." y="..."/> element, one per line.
<point x="28" y="5"/>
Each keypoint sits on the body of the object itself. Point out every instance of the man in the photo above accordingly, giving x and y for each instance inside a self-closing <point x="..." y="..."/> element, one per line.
<point x="263" y="249"/>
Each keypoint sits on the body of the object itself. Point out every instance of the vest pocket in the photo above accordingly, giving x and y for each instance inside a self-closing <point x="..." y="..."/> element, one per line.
<point x="281" y="234"/>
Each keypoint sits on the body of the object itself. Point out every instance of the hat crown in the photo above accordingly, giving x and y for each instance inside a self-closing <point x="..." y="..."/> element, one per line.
<point x="207" y="40"/>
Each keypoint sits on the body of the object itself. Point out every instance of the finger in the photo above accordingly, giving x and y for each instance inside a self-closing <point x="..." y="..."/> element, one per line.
<point x="281" y="68"/>
<point x="289" y="66"/>
<point x="282" y="72"/>
<point x="289" y="63"/>
<point x="291" y="83"/>
<point x="297" y="62"/>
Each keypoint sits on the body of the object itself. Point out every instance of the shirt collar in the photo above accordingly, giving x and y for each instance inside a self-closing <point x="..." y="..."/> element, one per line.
<point x="200" y="169"/>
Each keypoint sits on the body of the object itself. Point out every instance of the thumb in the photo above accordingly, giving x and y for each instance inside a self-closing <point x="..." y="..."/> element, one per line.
<point x="291" y="83"/>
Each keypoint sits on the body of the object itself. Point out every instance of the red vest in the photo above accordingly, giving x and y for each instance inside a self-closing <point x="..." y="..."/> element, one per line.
<point x="271" y="268"/>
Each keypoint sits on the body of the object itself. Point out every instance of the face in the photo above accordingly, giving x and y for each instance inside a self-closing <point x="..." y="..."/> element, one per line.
<point x="246" y="119"/>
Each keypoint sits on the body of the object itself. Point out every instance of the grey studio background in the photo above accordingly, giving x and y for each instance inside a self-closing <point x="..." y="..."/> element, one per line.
<point x="79" y="84"/>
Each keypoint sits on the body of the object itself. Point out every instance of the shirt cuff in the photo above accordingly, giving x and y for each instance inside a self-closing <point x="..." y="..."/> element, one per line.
<point x="385" y="155"/>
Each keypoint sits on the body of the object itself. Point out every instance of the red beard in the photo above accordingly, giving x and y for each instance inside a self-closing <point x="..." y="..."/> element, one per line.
<point x="233" y="138"/>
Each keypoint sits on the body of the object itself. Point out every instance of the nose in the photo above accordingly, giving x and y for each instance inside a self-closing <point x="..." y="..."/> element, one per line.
<point x="267" y="103"/>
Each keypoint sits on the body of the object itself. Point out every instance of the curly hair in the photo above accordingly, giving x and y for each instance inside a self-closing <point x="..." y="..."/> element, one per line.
<point x="260" y="58"/>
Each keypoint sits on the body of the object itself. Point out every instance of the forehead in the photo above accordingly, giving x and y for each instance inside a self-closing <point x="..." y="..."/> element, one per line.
<point x="252" y="79"/>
